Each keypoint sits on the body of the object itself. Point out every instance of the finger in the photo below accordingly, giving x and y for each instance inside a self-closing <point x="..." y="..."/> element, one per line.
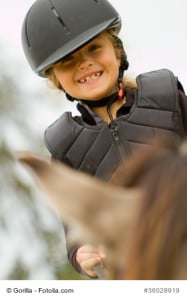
<point x="87" y="265"/>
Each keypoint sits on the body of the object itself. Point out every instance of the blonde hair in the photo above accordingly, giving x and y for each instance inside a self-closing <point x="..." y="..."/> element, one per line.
<point x="129" y="83"/>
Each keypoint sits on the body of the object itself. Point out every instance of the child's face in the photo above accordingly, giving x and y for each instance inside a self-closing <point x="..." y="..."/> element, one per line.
<point x="90" y="73"/>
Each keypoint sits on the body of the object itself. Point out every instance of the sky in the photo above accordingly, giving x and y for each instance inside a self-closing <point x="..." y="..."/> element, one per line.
<point x="153" y="32"/>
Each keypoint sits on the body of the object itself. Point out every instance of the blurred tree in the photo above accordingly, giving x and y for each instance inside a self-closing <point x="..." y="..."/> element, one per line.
<point x="32" y="244"/>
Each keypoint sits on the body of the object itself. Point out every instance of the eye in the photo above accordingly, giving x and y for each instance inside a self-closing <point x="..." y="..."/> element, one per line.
<point x="67" y="59"/>
<point x="94" y="47"/>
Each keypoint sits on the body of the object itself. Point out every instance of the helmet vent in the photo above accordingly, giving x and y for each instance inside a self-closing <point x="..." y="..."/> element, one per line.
<point x="59" y="19"/>
<point x="26" y="36"/>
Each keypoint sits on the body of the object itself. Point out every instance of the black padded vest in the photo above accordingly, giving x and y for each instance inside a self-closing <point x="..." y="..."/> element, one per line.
<point x="99" y="149"/>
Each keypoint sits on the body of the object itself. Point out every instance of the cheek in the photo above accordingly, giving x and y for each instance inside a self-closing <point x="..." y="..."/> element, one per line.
<point x="64" y="78"/>
<point x="114" y="61"/>
<point x="118" y="59"/>
<point x="114" y="67"/>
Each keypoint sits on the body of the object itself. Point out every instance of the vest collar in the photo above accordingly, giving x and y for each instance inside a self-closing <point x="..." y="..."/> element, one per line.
<point x="91" y="118"/>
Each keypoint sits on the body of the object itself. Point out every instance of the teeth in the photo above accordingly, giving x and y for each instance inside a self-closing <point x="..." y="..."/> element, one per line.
<point x="94" y="76"/>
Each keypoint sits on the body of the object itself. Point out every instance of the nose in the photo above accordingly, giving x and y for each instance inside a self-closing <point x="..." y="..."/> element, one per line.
<point x="84" y="65"/>
<point x="84" y="61"/>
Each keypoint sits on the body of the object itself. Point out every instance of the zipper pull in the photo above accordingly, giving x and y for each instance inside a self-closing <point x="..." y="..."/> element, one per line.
<point x="114" y="131"/>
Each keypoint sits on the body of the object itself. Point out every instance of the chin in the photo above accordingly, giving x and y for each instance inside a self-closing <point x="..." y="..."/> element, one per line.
<point x="98" y="96"/>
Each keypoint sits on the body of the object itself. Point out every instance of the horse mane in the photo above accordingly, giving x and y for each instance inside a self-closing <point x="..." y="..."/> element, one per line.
<point x="159" y="240"/>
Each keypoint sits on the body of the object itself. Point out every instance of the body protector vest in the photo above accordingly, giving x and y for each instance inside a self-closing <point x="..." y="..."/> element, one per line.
<point x="99" y="149"/>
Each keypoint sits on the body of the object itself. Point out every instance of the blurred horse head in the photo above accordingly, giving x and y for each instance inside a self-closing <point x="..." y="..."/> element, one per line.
<point x="140" y="215"/>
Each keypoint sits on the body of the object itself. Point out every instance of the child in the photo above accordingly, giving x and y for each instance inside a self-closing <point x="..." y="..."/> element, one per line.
<point x="75" y="45"/>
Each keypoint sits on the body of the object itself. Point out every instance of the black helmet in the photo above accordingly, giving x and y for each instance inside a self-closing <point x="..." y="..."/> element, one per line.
<point x="53" y="29"/>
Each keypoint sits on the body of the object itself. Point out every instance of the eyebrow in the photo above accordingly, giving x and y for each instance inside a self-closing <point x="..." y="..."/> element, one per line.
<point x="96" y="38"/>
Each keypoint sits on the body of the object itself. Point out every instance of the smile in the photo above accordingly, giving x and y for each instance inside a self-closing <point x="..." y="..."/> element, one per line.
<point x="89" y="78"/>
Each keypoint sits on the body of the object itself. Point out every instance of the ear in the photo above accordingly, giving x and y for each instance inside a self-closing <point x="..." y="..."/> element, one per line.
<point x="98" y="207"/>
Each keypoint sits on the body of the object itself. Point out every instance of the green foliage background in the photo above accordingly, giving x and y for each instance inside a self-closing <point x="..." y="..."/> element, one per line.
<point x="32" y="242"/>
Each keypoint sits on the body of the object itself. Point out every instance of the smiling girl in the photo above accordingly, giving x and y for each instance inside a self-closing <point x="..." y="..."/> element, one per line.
<point x="91" y="74"/>
<point x="75" y="44"/>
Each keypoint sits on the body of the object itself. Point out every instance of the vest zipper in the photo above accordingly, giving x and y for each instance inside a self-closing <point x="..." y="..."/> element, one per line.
<point x="115" y="134"/>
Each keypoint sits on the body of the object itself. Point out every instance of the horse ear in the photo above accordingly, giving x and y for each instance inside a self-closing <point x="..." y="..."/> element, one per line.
<point x="36" y="163"/>
<point x="99" y="207"/>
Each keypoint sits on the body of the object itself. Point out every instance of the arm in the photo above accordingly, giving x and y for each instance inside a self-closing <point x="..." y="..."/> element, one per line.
<point x="84" y="258"/>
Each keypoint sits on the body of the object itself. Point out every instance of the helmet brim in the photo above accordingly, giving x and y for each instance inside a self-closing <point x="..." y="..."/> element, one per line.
<point x="75" y="44"/>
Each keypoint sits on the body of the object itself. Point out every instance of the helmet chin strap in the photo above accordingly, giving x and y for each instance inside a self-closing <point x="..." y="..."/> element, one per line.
<point x="121" y="87"/>
<point x="106" y="101"/>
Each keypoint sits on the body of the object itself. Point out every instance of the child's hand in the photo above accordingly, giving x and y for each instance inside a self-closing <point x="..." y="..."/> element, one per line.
<point x="89" y="256"/>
